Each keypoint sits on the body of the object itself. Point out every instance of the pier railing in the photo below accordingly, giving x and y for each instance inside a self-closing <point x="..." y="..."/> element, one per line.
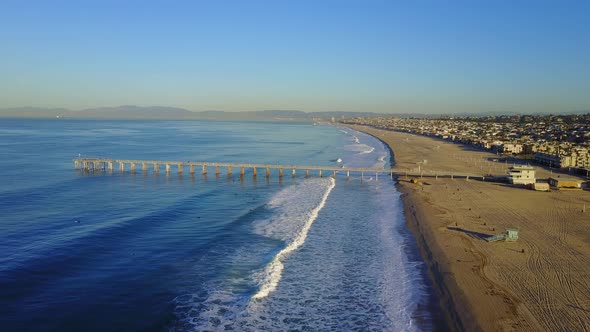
<point x="108" y="165"/>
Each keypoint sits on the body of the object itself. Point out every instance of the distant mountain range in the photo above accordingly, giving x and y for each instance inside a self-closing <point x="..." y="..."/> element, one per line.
<point x="160" y="112"/>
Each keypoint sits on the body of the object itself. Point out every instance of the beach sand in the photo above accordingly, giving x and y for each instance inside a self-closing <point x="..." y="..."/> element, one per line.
<point x="539" y="283"/>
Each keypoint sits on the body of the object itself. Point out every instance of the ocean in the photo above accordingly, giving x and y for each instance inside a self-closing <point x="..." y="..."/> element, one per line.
<point x="155" y="252"/>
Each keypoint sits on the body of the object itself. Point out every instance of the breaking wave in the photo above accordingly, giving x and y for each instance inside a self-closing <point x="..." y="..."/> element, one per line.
<point x="273" y="271"/>
<point x="287" y="217"/>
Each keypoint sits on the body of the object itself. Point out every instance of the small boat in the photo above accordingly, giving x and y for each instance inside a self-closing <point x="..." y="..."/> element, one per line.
<point x="338" y="160"/>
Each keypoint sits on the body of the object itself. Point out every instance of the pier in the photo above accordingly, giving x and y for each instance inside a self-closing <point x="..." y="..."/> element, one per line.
<point x="108" y="165"/>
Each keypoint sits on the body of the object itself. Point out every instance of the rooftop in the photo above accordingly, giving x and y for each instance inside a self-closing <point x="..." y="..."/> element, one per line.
<point x="567" y="179"/>
<point x="522" y="168"/>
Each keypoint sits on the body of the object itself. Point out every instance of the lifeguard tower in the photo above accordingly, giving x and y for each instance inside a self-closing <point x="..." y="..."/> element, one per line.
<point x="510" y="235"/>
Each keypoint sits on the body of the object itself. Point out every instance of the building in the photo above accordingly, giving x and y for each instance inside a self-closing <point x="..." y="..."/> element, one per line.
<point x="529" y="148"/>
<point x="541" y="186"/>
<point x="511" y="148"/>
<point x="566" y="183"/>
<point x="558" y="161"/>
<point x="524" y="175"/>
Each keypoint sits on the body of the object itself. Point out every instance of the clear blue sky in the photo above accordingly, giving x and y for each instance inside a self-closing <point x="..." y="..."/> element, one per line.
<point x="382" y="56"/>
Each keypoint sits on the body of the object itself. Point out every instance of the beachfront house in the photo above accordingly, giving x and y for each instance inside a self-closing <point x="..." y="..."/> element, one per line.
<point x="521" y="175"/>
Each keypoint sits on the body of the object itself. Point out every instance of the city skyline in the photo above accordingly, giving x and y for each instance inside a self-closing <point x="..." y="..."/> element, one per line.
<point x="376" y="56"/>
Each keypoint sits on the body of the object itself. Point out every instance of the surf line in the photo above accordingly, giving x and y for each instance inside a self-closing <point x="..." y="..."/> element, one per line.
<point x="274" y="270"/>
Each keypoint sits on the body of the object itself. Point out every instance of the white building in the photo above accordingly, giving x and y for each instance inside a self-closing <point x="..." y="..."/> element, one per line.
<point x="513" y="148"/>
<point x="521" y="175"/>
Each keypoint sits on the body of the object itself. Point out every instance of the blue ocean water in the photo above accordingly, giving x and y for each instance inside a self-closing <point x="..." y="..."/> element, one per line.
<point x="157" y="252"/>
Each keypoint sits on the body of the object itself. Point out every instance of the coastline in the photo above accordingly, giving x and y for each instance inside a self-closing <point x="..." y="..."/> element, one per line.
<point x="450" y="297"/>
<point x="485" y="286"/>
<point x="440" y="296"/>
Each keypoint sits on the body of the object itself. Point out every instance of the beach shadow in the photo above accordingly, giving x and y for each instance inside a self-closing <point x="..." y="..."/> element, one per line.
<point x="515" y="186"/>
<point x="476" y="235"/>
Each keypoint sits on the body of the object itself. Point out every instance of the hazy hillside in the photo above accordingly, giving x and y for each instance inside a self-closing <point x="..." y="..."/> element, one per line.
<point x="131" y="111"/>
<point x="160" y="112"/>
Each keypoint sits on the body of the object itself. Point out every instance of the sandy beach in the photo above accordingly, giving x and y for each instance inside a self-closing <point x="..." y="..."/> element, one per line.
<point x="539" y="283"/>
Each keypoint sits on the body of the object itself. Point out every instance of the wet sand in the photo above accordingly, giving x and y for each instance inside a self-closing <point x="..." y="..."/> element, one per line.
<point x="539" y="283"/>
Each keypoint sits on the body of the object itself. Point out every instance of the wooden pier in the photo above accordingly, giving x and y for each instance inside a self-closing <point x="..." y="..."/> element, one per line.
<point x="108" y="165"/>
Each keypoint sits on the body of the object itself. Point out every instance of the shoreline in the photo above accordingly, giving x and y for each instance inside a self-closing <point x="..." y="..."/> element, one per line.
<point x="446" y="291"/>
<point x="419" y="251"/>
<point x="455" y="312"/>
<point x="531" y="284"/>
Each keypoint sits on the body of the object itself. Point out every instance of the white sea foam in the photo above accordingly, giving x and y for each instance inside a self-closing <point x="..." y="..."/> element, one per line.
<point x="381" y="162"/>
<point x="402" y="287"/>
<point x="358" y="148"/>
<point x="274" y="270"/>
<point x="367" y="151"/>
